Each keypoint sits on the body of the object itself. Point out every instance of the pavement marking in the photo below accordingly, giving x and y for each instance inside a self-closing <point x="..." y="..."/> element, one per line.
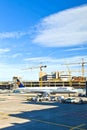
<point x="52" y="123"/>
<point x="4" y="114"/>
<point x="78" y="127"/>
<point x="56" y="124"/>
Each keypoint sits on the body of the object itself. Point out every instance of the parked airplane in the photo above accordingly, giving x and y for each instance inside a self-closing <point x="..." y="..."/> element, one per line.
<point x="44" y="90"/>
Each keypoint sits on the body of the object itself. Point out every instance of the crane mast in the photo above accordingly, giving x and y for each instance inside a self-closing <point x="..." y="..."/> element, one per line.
<point x="40" y="74"/>
<point x="82" y="63"/>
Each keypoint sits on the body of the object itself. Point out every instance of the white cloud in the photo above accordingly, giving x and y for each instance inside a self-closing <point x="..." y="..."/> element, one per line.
<point x="4" y="35"/>
<point x="16" y="55"/>
<point x="50" y="60"/>
<point x="65" y="28"/>
<point x="4" y="50"/>
<point x="77" y="49"/>
<point x="35" y="59"/>
<point x="42" y="60"/>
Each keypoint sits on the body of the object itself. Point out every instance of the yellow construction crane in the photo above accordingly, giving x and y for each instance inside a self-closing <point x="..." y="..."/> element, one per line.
<point x="69" y="71"/>
<point x="82" y="63"/>
<point x="69" y="74"/>
<point x="40" y="74"/>
<point x="35" y="67"/>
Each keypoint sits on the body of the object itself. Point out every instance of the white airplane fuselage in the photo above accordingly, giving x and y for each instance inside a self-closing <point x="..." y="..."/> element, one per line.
<point x="47" y="89"/>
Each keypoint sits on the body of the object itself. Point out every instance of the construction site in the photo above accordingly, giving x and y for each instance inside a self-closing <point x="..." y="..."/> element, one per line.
<point x="55" y="79"/>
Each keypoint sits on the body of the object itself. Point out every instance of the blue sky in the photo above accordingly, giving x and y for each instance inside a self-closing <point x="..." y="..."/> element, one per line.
<point x="41" y="32"/>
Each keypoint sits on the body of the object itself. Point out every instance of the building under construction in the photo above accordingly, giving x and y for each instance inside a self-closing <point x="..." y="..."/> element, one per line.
<point x="49" y="80"/>
<point x="54" y="79"/>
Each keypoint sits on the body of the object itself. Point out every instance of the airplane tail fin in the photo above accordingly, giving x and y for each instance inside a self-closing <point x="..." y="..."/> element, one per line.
<point x="20" y="85"/>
